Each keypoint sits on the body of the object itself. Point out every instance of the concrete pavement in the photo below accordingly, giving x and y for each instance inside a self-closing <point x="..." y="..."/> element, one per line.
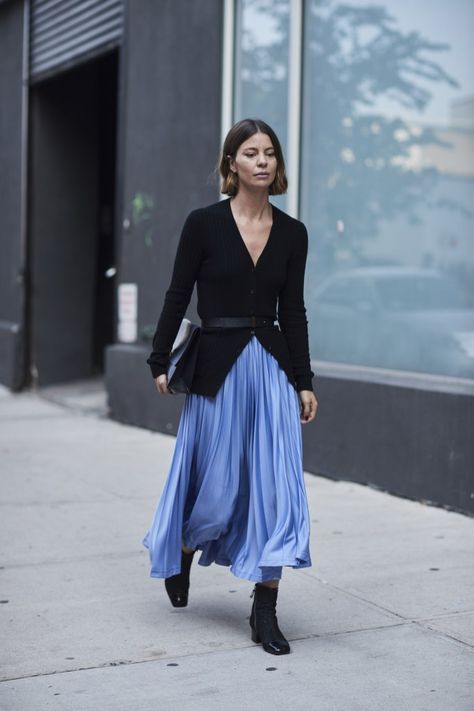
<point x="383" y="620"/>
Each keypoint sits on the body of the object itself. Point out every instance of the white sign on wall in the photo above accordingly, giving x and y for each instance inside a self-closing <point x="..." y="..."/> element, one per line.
<point x="127" y="313"/>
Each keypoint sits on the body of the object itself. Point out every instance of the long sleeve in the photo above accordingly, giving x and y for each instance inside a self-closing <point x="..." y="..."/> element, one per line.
<point x="184" y="275"/>
<point x="292" y="313"/>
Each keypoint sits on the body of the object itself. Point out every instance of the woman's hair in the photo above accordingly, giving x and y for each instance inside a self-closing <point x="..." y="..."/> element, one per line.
<point x="239" y="133"/>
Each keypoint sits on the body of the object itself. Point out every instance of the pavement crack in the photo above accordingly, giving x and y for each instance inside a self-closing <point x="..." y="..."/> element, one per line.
<point x="443" y="633"/>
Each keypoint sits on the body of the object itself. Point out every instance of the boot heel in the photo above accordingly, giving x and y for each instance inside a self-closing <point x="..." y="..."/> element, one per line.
<point x="255" y="638"/>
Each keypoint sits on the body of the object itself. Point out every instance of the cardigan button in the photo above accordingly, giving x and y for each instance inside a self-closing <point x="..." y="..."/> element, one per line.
<point x="252" y="291"/>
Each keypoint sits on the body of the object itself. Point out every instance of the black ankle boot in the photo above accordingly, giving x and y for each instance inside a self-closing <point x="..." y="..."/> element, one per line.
<point x="264" y="623"/>
<point x="177" y="586"/>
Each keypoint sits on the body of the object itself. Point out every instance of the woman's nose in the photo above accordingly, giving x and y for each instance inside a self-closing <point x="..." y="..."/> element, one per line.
<point x="262" y="159"/>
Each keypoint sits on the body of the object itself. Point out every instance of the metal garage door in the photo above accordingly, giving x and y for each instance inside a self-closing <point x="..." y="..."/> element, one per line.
<point x="66" y="32"/>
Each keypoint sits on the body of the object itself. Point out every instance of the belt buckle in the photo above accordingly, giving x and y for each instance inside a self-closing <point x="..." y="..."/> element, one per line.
<point x="253" y="321"/>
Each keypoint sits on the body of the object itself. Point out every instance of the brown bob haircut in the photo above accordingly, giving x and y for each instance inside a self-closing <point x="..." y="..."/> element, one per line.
<point x="239" y="133"/>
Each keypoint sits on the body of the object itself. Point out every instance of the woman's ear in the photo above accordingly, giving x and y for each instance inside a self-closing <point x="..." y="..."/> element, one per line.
<point x="231" y="164"/>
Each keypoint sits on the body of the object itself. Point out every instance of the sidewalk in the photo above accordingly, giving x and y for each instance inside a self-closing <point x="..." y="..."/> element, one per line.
<point x="384" y="619"/>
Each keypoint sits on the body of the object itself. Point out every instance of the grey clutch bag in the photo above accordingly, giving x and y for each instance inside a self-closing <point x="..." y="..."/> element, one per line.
<point x="183" y="357"/>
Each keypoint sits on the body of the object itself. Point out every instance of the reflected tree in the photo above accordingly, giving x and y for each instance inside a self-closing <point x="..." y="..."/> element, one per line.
<point x="263" y="63"/>
<point x="357" y="168"/>
<point x="360" y="159"/>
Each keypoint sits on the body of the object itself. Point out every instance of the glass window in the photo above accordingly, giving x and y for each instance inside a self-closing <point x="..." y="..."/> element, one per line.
<point x="387" y="183"/>
<point x="261" y="66"/>
<point x="347" y="292"/>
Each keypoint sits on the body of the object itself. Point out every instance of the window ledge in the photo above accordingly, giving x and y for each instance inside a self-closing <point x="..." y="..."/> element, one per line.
<point x="398" y="378"/>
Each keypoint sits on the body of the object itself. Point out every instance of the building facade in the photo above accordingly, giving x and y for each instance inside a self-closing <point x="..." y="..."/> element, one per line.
<point x="112" y="116"/>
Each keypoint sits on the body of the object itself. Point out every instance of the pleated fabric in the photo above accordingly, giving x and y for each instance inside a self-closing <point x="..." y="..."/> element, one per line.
<point x="235" y="488"/>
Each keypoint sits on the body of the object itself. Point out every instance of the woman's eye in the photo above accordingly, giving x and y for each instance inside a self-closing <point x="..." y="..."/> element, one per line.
<point x="253" y="155"/>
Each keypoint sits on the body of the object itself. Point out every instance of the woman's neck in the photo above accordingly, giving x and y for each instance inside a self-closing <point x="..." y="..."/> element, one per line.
<point x="252" y="204"/>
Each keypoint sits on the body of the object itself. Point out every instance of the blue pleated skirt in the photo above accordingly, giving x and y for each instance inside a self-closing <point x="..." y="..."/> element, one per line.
<point x="235" y="488"/>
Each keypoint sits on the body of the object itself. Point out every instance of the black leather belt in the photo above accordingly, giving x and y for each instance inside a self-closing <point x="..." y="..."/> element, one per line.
<point x="236" y="321"/>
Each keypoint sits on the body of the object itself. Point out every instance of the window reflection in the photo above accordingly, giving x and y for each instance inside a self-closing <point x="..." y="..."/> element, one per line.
<point x="396" y="317"/>
<point x="387" y="183"/>
<point x="261" y="66"/>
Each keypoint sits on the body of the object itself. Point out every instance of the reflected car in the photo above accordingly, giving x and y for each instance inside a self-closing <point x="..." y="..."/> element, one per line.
<point x="399" y="318"/>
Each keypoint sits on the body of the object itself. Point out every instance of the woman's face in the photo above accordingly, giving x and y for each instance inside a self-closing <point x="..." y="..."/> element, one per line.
<point x="255" y="162"/>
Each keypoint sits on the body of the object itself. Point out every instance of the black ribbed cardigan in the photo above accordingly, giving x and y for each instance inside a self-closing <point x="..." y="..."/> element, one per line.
<point x="212" y="253"/>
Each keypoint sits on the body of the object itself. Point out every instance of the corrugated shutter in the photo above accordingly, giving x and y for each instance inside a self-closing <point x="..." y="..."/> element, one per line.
<point x="63" y="32"/>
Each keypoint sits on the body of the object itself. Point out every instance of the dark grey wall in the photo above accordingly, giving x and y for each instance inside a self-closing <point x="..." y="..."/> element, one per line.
<point x="171" y="134"/>
<point x="11" y="285"/>
<point x="64" y="223"/>
<point x="409" y="441"/>
<point x="132" y="395"/>
<point x="169" y="144"/>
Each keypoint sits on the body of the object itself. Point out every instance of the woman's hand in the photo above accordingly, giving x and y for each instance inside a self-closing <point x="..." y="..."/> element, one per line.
<point x="161" y="383"/>
<point x="309" y="405"/>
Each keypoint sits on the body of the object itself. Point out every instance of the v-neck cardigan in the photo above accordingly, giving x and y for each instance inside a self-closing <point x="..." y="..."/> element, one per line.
<point x="212" y="254"/>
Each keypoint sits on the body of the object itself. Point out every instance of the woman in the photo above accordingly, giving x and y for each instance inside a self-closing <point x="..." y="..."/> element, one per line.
<point x="235" y="488"/>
